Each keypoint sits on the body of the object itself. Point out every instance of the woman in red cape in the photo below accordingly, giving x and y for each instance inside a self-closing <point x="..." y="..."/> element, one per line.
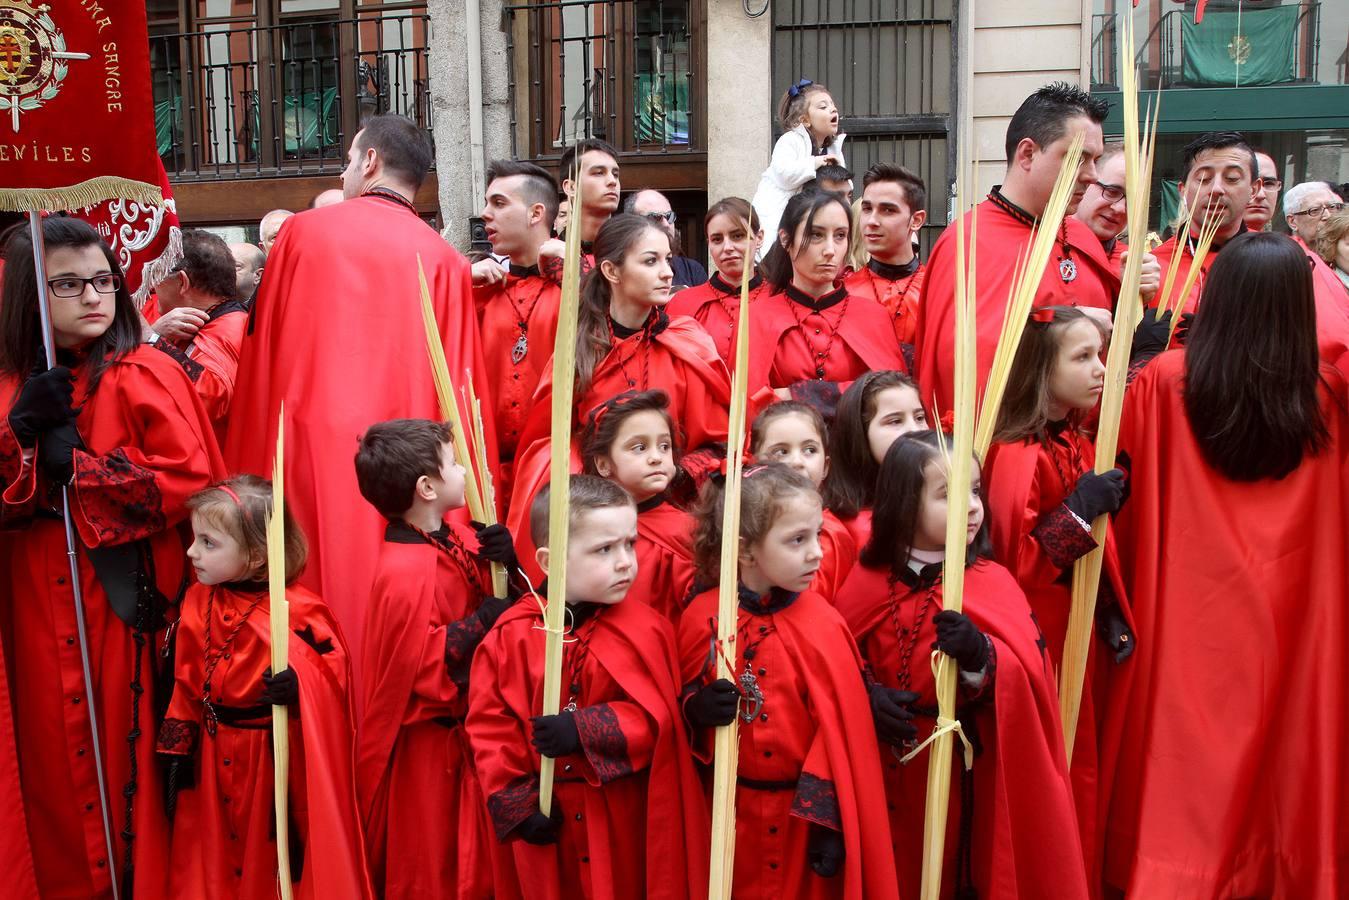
<point x="626" y="341"/>
<point x="1225" y="736"/>
<point x="133" y="442"/>
<point x="809" y="337"/>
<point x="1019" y="836"/>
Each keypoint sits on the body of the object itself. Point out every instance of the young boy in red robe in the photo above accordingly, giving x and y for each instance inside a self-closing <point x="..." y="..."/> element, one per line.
<point x="627" y="817"/>
<point x="425" y="823"/>
<point x="894" y="208"/>
<point x="217" y="733"/>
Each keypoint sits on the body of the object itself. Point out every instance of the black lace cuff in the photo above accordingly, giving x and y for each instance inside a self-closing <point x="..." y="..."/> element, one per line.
<point x="1063" y="537"/>
<point x="817" y="801"/>
<point x="513" y="804"/>
<point x="190" y="366"/>
<point x="178" y="737"/>
<point x="603" y="741"/>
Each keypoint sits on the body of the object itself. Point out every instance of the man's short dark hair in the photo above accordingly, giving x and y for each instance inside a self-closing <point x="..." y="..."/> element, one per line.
<point x="1216" y="140"/>
<point x="580" y="149"/>
<point x="1043" y="116"/>
<point x="391" y="457"/>
<point x="209" y="264"/>
<point x="832" y="173"/>
<point x="404" y="147"/>
<point x="538" y="186"/>
<point x="915" y="192"/>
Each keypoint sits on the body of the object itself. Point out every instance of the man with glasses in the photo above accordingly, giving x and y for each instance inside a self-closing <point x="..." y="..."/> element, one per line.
<point x="1265" y="196"/>
<point x="1104" y="209"/>
<point x="656" y="207"/>
<point x="1306" y="206"/>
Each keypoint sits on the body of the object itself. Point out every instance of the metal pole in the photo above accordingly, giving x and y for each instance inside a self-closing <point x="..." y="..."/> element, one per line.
<point x="49" y="345"/>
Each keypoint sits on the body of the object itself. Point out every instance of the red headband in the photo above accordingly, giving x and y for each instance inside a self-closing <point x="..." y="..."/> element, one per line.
<point x="233" y="496"/>
<point x="1044" y="315"/>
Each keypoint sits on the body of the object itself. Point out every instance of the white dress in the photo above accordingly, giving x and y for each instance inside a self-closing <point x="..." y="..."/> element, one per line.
<point x="791" y="167"/>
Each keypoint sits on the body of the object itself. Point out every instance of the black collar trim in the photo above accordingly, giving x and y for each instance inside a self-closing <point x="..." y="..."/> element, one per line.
<point x="719" y="283"/>
<point x="817" y="304"/>
<point x="400" y="532"/>
<point x="393" y="197"/>
<point x="1007" y="206"/>
<point x="774" y="601"/>
<point x="894" y="273"/>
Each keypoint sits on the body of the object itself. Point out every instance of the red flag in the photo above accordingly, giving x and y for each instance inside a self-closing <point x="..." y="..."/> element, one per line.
<point x="145" y="237"/>
<point x="76" y="122"/>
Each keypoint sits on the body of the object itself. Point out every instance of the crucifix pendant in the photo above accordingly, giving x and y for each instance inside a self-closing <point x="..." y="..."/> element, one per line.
<point x="1067" y="270"/>
<point x="751" y="696"/>
<point x="520" y="349"/>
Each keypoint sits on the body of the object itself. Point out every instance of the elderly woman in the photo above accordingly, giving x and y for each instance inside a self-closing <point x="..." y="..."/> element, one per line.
<point x="1333" y="244"/>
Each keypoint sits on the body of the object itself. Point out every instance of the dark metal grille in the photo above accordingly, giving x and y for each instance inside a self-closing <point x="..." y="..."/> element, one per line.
<point x="234" y="99"/>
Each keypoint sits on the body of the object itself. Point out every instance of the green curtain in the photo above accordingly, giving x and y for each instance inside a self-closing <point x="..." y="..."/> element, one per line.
<point x="166" y="121"/>
<point x="1170" y="207"/>
<point x="1262" y="51"/>
<point x="308" y="121"/>
<point x="661" y="111"/>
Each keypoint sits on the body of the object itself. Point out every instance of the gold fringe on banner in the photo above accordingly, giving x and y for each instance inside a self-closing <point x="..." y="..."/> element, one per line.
<point x="78" y="196"/>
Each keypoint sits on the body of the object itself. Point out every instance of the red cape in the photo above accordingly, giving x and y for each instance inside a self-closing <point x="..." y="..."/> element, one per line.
<point x="715" y="305"/>
<point x="338" y="338"/>
<point x="1000" y="239"/>
<point x="842" y="746"/>
<point x="900" y="297"/>
<point x="840" y="555"/>
<point x="1228" y="724"/>
<point x="631" y="647"/>
<point x="425" y="823"/>
<point x="664" y="559"/>
<point x="1025" y="834"/>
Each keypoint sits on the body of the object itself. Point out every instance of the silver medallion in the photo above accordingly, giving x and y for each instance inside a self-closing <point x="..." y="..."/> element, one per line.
<point x="1067" y="270"/>
<point x="520" y="349"/>
<point x="751" y="696"/>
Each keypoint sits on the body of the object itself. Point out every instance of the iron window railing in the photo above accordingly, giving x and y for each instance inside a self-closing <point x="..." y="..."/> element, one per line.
<point x="241" y="100"/>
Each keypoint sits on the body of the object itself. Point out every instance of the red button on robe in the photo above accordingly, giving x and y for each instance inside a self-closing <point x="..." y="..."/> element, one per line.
<point x="149" y="447"/>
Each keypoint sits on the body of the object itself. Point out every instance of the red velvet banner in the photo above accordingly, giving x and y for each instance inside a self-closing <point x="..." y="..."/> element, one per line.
<point x="76" y="112"/>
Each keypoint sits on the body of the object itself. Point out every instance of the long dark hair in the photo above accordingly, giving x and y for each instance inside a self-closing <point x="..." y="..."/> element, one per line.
<point x="899" y="500"/>
<point x="1025" y="404"/>
<point x="851" y="484"/>
<point x="776" y="267"/>
<point x="612" y="243"/>
<point x="20" y="329"/>
<point x="1251" y="361"/>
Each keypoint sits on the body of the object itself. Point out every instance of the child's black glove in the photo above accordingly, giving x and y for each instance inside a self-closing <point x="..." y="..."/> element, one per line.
<point x="1111" y="628"/>
<point x="825" y="851"/>
<point x="961" y="639"/>
<point x="539" y="829"/>
<point x="1150" y="337"/>
<point x="1097" y="494"/>
<point x="556" y="735"/>
<point x="490" y="610"/>
<point x="712" y="705"/>
<point x="44" y="403"/>
<point x="890" y="709"/>
<point x="56" y="451"/>
<point x="281" y="689"/>
<point x="495" y="544"/>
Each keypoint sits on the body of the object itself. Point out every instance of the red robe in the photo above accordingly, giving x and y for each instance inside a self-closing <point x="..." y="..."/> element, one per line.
<point x="899" y="296"/>
<point x="1001" y="238"/>
<point x="1228" y="724"/>
<point x="425" y="822"/>
<point x="809" y="759"/>
<point x="1024" y="834"/>
<point x="149" y="447"/>
<point x="791" y="342"/>
<point x="633" y="823"/>
<point x="859" y="526"/>
<point x="211" y="359"/>
<point x="224" y="840"/>
<point x="839" y="550"/>
<point x="715" y="305"/>
<point x="532" y="299"/>
<point x="1038" y="539"/>
<point x="664" y="558"/>
<point x="337" y="336"/>
<point x="678" y="358"/>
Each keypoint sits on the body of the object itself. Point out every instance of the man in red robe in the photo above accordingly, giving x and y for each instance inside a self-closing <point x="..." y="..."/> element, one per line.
<point x="1104" y="209"/>
<point x="894" y="208"/>
<point x="337" y="337"/>
<point x="517" y="306"/>
<point x="595" y="162"/>
<point x="1078" y="272"/>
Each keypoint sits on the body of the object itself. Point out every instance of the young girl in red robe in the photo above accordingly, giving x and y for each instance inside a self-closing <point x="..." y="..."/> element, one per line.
<point x="793" y="433"/>
<point x="425" y="823"/>
<point x="809" y="337"/>
<point x="119" y="423"/>
<point x="1011" y="831"/>
<point x="733" y="236"/>
<point x="632" y="441"/>
<point x="809" y="819"/>
<point x="626" y="341"/>
<point x="873" y="412"/>
<point x="1043" y="495"/>
<point x="627" y="816"/>
<point x="217" y="733"/>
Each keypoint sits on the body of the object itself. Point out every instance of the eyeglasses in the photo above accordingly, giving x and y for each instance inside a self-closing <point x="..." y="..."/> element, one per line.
<point x="1317" y="212"/>
<point x="1112" y="193"/>
<point x="1271" y="184"/>
<point x="70" y="286"/>
<point x="668" y="216"/>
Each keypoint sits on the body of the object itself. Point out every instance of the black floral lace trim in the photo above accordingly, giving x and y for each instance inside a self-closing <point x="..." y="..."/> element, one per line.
<point x="817" y="801"/>
<point x="1062" y="536"/>
<point x="461" y="639"/>
<point x="120" y="500"/>
<point x="178" y="737"/>
<point x="513" y="804"/>
<point x="603" y="740"/>
<point x="823" y="395"/>
<point x="189" y="365"/>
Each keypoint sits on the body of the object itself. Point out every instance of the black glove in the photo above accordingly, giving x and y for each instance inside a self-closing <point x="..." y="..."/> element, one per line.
<point x="490" y="609"/>
<point x="961" y="639"/>
<point x="825" y="850"/>
<point x="1111" y="628"/>
<point x="1150" y="337"/>
<point x="890" y="709"/>
<point x="44" y="403"/>
<point x="281" y="689"/>
<point x="495" y="544"/>
<point x="1097" y="494"/>
<point x="56" y="451"/>
<point x="556" y="735"/>
<point x="713" y="705"/>
<point x="539" y="829"/>
<point x="1183" y="329"/>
